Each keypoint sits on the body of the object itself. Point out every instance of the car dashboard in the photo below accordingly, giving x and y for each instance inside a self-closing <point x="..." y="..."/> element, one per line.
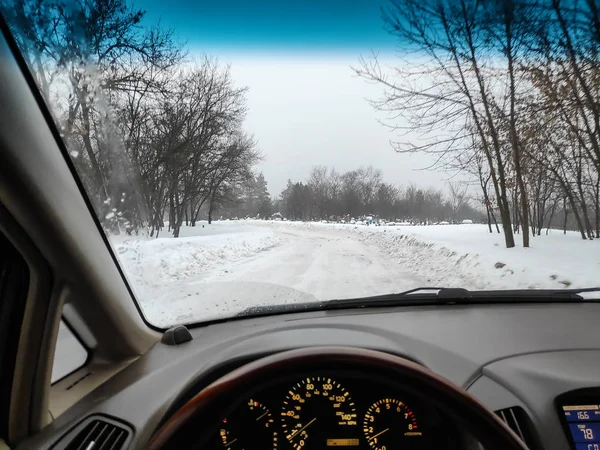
<point x="326" y="409"/>
<point x="526" y="362"/>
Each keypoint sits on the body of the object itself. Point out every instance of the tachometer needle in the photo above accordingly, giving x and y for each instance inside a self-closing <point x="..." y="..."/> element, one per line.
<point x="378" y="434"/>
<point x="229" y="443"/>
<point x="301" y="429"/>
<point x="262" y="415"/>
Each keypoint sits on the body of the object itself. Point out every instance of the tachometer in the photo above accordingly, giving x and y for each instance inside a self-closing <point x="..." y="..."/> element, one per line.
<point x="251" y="427"/>
<point x="320" y="411"/>
<point x="389" y="424"/>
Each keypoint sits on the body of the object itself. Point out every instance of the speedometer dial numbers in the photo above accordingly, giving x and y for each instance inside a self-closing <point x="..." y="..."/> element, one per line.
<point x="390" y="424"/>
<point x="251" y="428"/>
<point x="320" y="411"/>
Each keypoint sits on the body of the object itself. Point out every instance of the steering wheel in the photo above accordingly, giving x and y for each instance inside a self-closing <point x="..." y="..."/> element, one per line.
<point x="212" y="401"/>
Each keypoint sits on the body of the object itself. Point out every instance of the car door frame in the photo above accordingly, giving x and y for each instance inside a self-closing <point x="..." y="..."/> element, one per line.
<point x="52" y="222"/>
<point x="28" y="405"/>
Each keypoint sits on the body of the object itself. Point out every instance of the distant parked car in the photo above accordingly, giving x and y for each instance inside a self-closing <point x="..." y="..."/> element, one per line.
<point x="467" y="221"/>
<point x="444" y="223"/>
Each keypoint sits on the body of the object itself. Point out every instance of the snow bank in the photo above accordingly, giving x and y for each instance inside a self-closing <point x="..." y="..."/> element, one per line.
<point x="155" y="266"/>
<point x="469" y="256"/>
<point x="222" y="268"/>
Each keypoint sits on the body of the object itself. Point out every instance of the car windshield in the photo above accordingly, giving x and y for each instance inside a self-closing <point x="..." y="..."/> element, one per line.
<point x="245" y="153"/>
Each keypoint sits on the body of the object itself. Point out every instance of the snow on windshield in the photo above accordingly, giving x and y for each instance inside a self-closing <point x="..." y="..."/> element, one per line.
<point x="321" y="155"/>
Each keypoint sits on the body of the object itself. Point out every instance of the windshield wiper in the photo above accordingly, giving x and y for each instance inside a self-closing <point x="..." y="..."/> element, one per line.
<point x="443" y="296"/>
<point x="430" y="296"/>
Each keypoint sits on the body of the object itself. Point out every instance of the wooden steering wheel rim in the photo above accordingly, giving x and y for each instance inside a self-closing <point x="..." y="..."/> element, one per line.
<point x="454" y="400"/>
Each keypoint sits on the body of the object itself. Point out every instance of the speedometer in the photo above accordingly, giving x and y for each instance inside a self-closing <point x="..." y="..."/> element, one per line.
<point x="320" y="411"/>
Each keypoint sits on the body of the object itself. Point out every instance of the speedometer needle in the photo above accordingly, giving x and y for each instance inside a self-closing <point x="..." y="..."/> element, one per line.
<point x="378" y="434"/>
<point x="302" y="429"/>
<point x="262" y="415"/>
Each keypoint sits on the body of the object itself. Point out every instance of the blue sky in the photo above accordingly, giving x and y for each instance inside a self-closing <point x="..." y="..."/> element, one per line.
<point x="317" y="25"/>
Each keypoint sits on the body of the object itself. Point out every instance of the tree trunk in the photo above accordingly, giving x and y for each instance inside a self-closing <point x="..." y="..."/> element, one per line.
<point x="597" y="195"/>
<point x="524" y="203"/>
<point x="522" y="192"/>
<point x="179" y="213"/>
<point x="171" y="212"/>
<point x="584" y="211"/>
<point x="495" y="222"/>
<point x="515" y="211"/>
<point x="566" y="211"/>
<point x="211" y="207"/>
<point x="576" y="215"/>
<point x="520" y="218"/>
<point x="486" y="199"/>
<point x="197" y="212"/>
<point x="509" y="23"/>
<point x="541" y="216"/>
<point x="178" y="224"/>
<point x="504" y="210"/>
<point x="210" y="211"/>
<point x="552" y="211"/>
<point x="192" y="218"/>
<point x="586" y="220"/>
<point x="176" y="229"/>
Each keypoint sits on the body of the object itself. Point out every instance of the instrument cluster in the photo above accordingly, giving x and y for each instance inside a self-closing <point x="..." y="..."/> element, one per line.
<point x="322" y="411"/>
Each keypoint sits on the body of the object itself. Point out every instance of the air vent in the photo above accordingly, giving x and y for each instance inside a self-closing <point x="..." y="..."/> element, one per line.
<point x="97" y="433"/>
<point x="518" y="421"/>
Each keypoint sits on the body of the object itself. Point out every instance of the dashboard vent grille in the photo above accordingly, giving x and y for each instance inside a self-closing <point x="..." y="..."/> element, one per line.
<point x="100" y="434"/>
<point x="518" y="421"/>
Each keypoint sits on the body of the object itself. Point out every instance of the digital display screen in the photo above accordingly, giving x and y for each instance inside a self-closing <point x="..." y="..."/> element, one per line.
<point x="584" y="425"/>
<point x="344" y="443"/>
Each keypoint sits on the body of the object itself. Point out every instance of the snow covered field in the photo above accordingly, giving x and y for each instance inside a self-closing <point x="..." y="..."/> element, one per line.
<point x="157" y="266"/>
<point x="223" y="268"/>
<point x="469" y="256"/>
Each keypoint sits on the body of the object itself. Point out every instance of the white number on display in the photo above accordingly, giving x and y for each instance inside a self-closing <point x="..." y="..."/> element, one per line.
<point x="588" y="433"/>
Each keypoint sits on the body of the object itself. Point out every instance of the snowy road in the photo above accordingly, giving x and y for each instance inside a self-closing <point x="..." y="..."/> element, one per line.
<point x="306" y="265"/>
<point x="325" y="263"/>
<point x="219" y="270"/>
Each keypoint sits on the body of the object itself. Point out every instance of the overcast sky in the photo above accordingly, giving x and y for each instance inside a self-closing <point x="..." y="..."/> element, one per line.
<point x="308" y="110"/>
<point x="305" y="105"/>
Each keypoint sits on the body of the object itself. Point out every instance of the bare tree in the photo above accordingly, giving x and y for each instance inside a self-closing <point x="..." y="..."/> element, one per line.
<point x="459" y="197"/>
<point x="506" y="92"/>
<point x="452" y="35"/>
<point x="363" y="192"/>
